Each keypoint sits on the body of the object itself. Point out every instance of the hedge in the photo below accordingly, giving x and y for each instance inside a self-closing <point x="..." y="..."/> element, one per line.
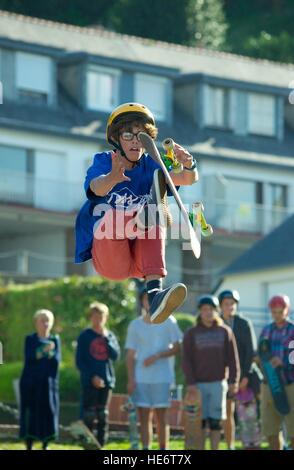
<point x="68" y="298"/>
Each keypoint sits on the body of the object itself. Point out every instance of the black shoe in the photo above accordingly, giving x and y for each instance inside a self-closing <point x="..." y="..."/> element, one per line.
<point x="166" y="301"/>
<point x="156" y="211"/>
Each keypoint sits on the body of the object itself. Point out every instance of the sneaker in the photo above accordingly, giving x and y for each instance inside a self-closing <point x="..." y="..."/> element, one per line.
<point x="166" y="301"/>
<point x="156" y="211"/>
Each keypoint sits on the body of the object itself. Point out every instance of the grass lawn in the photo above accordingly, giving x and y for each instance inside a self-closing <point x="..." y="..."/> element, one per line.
<point x="175" y="444"/>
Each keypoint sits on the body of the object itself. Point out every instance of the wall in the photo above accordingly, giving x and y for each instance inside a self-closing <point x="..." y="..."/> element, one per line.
<point x="60" y="165"/>
<point x="255" y="288"/>
<point x="46" y="253"/>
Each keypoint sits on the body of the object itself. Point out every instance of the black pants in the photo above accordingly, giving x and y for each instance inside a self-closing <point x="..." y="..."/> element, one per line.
<point x="95" y="407"/>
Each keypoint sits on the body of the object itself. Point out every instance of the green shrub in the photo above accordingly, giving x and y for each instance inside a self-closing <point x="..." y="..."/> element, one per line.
<point x="68" y="298"/>
<point x="185" y="320"/>
<point x="9" y="372"/>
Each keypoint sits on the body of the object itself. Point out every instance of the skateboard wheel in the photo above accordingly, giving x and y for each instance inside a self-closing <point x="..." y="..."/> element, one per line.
<point x="198" y="205"/>
<point x="168" y="143"/>
<point x="207" y="231"/>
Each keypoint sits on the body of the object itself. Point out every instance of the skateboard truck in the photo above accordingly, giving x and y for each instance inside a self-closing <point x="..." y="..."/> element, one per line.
<point x="169" y="157"/>
<point x="197" y="218"/>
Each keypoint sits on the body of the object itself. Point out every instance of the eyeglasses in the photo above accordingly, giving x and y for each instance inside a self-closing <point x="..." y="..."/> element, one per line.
<point x="129" y="135"/>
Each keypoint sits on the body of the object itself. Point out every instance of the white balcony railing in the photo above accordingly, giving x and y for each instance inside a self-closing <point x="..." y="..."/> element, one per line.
<point x="244" y="217"/>
<point x="28" y="263"/>
<point x="64" y="196"/>
<point x="27" y="189"/>
<point x="234" y="216"/>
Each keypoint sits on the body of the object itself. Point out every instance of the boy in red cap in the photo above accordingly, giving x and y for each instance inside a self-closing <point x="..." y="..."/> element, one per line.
<point x="280" y="335"/>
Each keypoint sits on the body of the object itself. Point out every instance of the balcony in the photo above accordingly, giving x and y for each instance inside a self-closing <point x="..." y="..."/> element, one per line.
<point x="238" y="217"/>
<point x="242" y="217"/>
<point x="27" y="189"/>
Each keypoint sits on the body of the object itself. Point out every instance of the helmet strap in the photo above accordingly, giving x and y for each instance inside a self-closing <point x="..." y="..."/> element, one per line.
<point x="119" y="147"/>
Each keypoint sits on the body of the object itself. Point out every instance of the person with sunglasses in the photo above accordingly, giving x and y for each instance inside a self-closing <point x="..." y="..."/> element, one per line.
<point x="122" y="226"/>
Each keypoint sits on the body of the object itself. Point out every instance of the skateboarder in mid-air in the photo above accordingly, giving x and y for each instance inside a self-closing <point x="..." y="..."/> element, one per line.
<point x="278" y="335"/>
<point x="120" y="186"/>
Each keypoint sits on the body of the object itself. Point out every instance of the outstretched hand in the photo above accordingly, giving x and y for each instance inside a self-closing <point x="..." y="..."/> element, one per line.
<point x="118" y="169"/>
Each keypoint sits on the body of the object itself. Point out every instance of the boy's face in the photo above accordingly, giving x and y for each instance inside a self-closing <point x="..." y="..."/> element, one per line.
<point x="43" y="325"/>
<point x="229" y="306"/>
<point x="130" y="142"/>
<point x="279" y="314"/>
<point x="207" y="313"/>
<point x="98" y="319"/>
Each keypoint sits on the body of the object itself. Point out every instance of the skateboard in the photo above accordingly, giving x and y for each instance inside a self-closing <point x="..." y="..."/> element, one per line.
<point x="193" y="230"/>
<point x="169" y="158"/>
<point x="196" y="216"/>
<point x="193" y="421"/>
<point x="248" y="420"/>
<point x="84" y="436"/>
<point x="130" y="408"/>
<point x="274" y="377"/>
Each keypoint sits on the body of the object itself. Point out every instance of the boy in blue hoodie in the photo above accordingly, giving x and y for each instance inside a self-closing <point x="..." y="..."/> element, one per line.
<point x="97" y="349"/>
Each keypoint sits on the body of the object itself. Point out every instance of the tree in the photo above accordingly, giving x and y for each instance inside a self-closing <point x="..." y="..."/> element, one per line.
<point x="164" y="20"/>
<point x="79" y="12"/>
<point x="190" y="22"/>
<point x="266" y="46"/>
<point x="207" y="24"/>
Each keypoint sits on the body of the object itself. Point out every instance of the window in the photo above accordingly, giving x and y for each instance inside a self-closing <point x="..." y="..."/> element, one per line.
<point x="278" y="195"/>
<point x="261" y="114"/>
<point x="152" y="91"/>
<point x="33" y="77"/>
<point x="277" y="198"/>
<point x="1" y="78"/>
<point x="15" y="165"/>
<point x="236" y="204"/>
<point x="216" y="106"/>
<point x="102" y="89"/>
<point x="13" y="159"/>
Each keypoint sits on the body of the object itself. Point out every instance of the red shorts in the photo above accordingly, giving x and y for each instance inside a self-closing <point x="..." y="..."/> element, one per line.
<point x="117" y="254"/>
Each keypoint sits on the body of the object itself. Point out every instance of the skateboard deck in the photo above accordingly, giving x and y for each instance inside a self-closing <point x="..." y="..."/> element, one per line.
<point x="152" y="150"/>
<point x="84" y="436"/>
<point x="193" y="421"/>
<point x="248" y="422"/>
<point x="130" y="408"/>
<point x="274" y="377"/>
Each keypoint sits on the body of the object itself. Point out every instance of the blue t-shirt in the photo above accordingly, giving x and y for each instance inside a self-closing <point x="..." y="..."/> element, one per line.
<point x="94" y="356"/>
<point x="123" y="196"/>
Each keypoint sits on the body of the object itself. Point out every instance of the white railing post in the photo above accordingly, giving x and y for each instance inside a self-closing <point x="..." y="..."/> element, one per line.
<point x="23" y="262"/>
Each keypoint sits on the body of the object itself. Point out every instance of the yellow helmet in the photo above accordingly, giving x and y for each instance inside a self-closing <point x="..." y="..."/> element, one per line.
<point x="125" y="109"/>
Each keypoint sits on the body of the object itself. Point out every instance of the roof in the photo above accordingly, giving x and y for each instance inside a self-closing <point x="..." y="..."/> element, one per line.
<point x="274" y="251"/>
<point x="68" y="119"/>
<point x="100" y="42"/>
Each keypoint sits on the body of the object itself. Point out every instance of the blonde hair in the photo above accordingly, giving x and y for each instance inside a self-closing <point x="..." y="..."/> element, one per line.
<point x="98" y="307"/>
<point x="46" y="313"/>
